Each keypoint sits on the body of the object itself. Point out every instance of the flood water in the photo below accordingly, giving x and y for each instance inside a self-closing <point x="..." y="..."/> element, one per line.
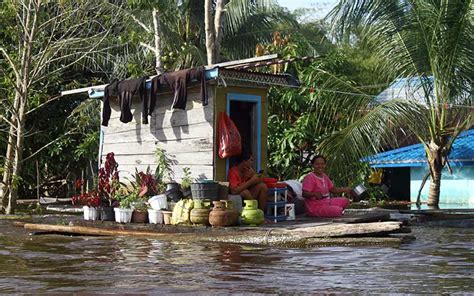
<point x="441" y="260"/>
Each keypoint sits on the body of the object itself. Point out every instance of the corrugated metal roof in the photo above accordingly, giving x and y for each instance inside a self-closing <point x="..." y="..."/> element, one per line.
<point x="409" y="88"/>
<point x="462" y="153"/>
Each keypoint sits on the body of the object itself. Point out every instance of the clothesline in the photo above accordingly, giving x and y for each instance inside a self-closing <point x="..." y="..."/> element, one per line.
<point x="339" y="92"/>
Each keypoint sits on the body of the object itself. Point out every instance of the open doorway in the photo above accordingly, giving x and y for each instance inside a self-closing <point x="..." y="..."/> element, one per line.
<point x="245" y="112"/>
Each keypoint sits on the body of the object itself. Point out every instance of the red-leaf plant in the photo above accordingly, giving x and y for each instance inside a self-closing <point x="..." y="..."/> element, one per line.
<point x="108" y="180"/>
<point x="145" y="183"/>
<point x="90" y="199"/>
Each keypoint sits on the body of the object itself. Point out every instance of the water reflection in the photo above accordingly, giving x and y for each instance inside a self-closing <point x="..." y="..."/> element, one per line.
<point x="441" y="260"/>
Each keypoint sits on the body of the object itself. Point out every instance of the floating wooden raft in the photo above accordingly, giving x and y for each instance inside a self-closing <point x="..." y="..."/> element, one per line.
<point x="379" y="233"/>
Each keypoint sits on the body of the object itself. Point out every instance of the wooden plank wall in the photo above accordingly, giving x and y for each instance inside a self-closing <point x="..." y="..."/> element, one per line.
<point x="186" y="135"/>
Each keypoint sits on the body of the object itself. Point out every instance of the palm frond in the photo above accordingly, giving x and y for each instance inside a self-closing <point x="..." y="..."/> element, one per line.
<point x="377" y="130"/>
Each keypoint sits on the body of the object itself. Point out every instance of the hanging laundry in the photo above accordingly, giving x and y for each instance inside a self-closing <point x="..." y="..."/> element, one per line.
<point x="178" y="82"/>
<point x="155" y="87"/>
<point x="110" y="90"/>
<point x="125" y="90"/>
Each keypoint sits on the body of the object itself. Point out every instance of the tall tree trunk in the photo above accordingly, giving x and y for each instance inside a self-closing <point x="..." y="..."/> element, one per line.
<point x="218" y="29"/>
<point x="213" y="28"/>
<point x="157" y="34"/>
<point x="21" y="96"/>
<point x="210" y="32"/>
<point x="10" y="154"/>
<point x="17" y="162"/>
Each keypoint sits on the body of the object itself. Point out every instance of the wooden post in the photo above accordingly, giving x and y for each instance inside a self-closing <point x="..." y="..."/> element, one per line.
<point x="37" y="182"/>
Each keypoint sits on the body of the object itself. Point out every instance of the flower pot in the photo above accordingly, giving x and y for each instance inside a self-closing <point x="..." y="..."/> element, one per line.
<point x="155" y="217"/>
<point x="205" y="190"/>
<point x="186" y="192"/>
<point x="90" y="213"/>
<point x="171" y="186"/>
<point x="123" y="215"/>
<point x="107" y="214"/>
<point x="167" y="217"/>
<point x="158" y="202"/>
<point x="174" y="194"/>
<point x="139" y="217"/>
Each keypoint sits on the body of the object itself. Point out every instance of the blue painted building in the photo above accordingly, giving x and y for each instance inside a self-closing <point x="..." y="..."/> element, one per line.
<point x="456" y="189"/>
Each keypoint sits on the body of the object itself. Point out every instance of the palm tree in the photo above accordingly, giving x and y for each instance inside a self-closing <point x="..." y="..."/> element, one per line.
<point x="416" y="38"/>
<point x="206" y="28"/>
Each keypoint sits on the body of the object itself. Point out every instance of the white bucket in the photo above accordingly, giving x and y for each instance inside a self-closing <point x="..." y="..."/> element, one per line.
<point x="158" y="202"/>
<point x="90" y="213"/>
<point x="359" y="189"/>
<point x="155" y="216"/>
<point x="290" y="211"/>
<point x="123" y="215"/>
<point x="236" y="201"/>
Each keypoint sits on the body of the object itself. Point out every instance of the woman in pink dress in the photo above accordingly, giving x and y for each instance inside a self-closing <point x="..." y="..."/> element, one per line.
<point x="317" y="189"/>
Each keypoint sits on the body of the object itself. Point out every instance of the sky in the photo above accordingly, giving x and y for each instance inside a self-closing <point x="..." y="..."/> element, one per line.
<point x="321" y="7"/>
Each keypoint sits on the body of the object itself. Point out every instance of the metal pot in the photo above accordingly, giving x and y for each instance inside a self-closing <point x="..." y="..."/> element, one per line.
<point x="359" y="189"/>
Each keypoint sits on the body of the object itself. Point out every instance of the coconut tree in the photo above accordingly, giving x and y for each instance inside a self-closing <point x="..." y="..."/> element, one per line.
<point x="428" y="39"/>
<point x="205" y="31"/>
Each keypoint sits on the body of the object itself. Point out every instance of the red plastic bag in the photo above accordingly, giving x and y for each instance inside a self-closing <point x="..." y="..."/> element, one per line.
<point x="229" y="137"/>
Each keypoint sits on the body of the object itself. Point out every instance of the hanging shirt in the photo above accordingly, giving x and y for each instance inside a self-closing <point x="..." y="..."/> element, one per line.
<point x="178" y="82"/>
<point x="125" y="90"/>
<point x="322" y="185"/>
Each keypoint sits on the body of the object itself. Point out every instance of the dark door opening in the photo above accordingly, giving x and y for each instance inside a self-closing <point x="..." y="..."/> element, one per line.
<point x="243" y="114"/>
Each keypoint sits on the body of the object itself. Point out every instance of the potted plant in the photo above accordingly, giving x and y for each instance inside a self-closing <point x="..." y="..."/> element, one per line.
<point x="108" y="184"/>
<point x="123" y="213"/>
<point x="186" y="182"/>
<point x="139" y="206"/>
<point x="90" y="202"/>
<point x="144" y="186"/>
<point x="164" y="172"/>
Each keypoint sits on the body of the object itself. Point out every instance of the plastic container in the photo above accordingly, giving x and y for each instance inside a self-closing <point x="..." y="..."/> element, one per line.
<point x="123" y="215"/>
<point x="107" y="214"/>
<point x="90" y="213"/>
<point x="167" y="217"/>
<point x="236" y="202"/>
<point x="205" y="190"/>
<point x="359" y="189"/>
<point x="158" y="202"/>
<point x="155" y="216"/>
<point x="290" y="211"/>
<point x="276" y="185"/>
<point x="269" y="180"/>
<point x="174" y="194"/>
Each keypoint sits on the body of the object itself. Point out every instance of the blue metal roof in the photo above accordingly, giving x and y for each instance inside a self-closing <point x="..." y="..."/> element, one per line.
<point x="462" y="153"/>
